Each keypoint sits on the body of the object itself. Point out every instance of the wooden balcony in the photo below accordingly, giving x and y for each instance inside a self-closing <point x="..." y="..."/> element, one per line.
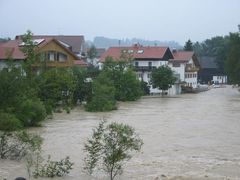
<point x="144" y="68"/>
<point x="190" y="68"/>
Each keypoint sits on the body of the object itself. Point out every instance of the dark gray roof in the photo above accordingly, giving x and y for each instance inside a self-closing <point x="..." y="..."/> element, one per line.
<point x="208" y="62"/>
<point x="77" y="43"/>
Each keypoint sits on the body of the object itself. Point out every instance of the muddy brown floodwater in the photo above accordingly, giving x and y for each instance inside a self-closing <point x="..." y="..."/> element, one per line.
<point x="192" y="136"/>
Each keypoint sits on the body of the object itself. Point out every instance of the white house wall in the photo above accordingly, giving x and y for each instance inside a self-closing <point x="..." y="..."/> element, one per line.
<point x="179" y="70"/>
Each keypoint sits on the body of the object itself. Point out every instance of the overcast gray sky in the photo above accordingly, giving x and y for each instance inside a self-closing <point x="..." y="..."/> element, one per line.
<point x="162" y="20"/>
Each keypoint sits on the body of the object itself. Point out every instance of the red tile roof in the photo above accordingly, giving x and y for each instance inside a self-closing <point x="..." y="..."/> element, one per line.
<point x="80" y="63"/>
<point x="11" y="48"/>
<point x="138" y="52"/>
<point x="182" y="55"/>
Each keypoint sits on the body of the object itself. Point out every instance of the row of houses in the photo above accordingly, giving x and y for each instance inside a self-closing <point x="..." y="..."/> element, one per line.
<point x="144" y="59"/>
<point x="68" y="51"/>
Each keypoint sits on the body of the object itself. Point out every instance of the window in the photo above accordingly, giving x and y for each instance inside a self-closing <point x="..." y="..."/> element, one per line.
<point x="136" y="63"/>
<point x="176" y="64"/>
<point x="150" y="64"/>
<point x="61" y="57"/>
<point x="130" y="51"/>
<point x="140" y="51"/>
<point x="51" y="56"/>
<point x="149" y="75"/>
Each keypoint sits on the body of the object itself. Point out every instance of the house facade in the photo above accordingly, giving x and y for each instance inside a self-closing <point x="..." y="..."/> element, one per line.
<point x="144" y="60"/>
<point x="186" y="65"/>
<point x="76" y="44"/>
<point x="50" y="51"/>
<point x="209" y="72"/>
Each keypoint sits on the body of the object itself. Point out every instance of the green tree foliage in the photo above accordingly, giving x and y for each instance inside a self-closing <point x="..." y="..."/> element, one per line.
<point x="110" y="147"/>
<point x="9" y="122"/>
<point x="103" y="92"/>
<point x="28" y="48"/>
<point x="92" y="54"/>
<point x="56" y="87"/>
<point x="53" y="168"/>
<point x="215" y="47"/>
<point x="128" y="87"/>
<point x="12" y="89"/>
<point x="162" y="78"/>
<point x="31" y="112"/>
<point x="233" y="58"/>
<point x="188" y="46"/>
<point x="83" y="87"/>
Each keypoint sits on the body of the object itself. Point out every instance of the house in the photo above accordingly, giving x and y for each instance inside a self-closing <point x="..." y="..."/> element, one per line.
<point x="144" y="60"/>
<point x="76" y="44"/>
<point x="50" y="51"/>
<point x="209" y="72"/>
<point x="186" y="65"/>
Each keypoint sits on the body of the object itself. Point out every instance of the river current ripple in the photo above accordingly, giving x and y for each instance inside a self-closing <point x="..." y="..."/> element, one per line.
<point x="191" y="136"/>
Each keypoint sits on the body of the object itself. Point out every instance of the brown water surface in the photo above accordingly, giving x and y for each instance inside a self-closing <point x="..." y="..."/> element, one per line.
<point x="192" y="136"/>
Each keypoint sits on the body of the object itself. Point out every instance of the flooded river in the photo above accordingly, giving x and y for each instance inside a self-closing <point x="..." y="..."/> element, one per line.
<point x="192" y="136"/>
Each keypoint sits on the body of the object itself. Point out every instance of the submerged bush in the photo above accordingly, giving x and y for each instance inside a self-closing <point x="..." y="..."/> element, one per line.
<point x="31" y="112"/>
<point x="16" y="145"/>
<point x="8" y="122"/>
<point x="53" y="168"/>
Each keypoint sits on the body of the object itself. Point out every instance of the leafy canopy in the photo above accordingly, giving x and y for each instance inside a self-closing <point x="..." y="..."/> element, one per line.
<point x="110" y="147"/>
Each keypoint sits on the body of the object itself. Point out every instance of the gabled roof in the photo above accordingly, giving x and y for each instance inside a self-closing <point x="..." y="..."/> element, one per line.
<point x="137" y="52"/>
<point x="185" y="56"/>
<point x="76" y="43"/>
<point x="208" y="62"/>
<point x="13" y="47"/>
<point x="182" y="55"/>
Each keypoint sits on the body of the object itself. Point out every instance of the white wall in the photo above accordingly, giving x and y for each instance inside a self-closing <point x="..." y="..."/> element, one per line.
<point x="220" y="79"/>
<point x="179" y="70"/>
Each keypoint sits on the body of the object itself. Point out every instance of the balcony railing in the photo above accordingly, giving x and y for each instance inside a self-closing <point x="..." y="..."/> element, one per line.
<point x="144" y="68"/>
<point x="190" y="68"/>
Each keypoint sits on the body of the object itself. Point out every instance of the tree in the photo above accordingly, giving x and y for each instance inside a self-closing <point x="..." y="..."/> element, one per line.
<point x="56" y="86"/>
<point x="92" y="54"/>
<point x="110" y="147"/>
<point x="162" y="78"/>
<point x="233" y="58"/>
<point x="28" y="48"/>
<point x="188" y="46"/>
<point x="83" y="88"/>
<point x="128" y="87"/>
<point x="103" y="93"/>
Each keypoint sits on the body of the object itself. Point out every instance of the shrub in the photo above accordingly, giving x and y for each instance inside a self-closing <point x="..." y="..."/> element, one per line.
<point x="54" y="168"/>
<point x="110" y="147"/>
<point x="16" y="145"/>
<point x="103" y="95"/>
<point x="31" y="112"/>
<point x="8" y="122"/>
